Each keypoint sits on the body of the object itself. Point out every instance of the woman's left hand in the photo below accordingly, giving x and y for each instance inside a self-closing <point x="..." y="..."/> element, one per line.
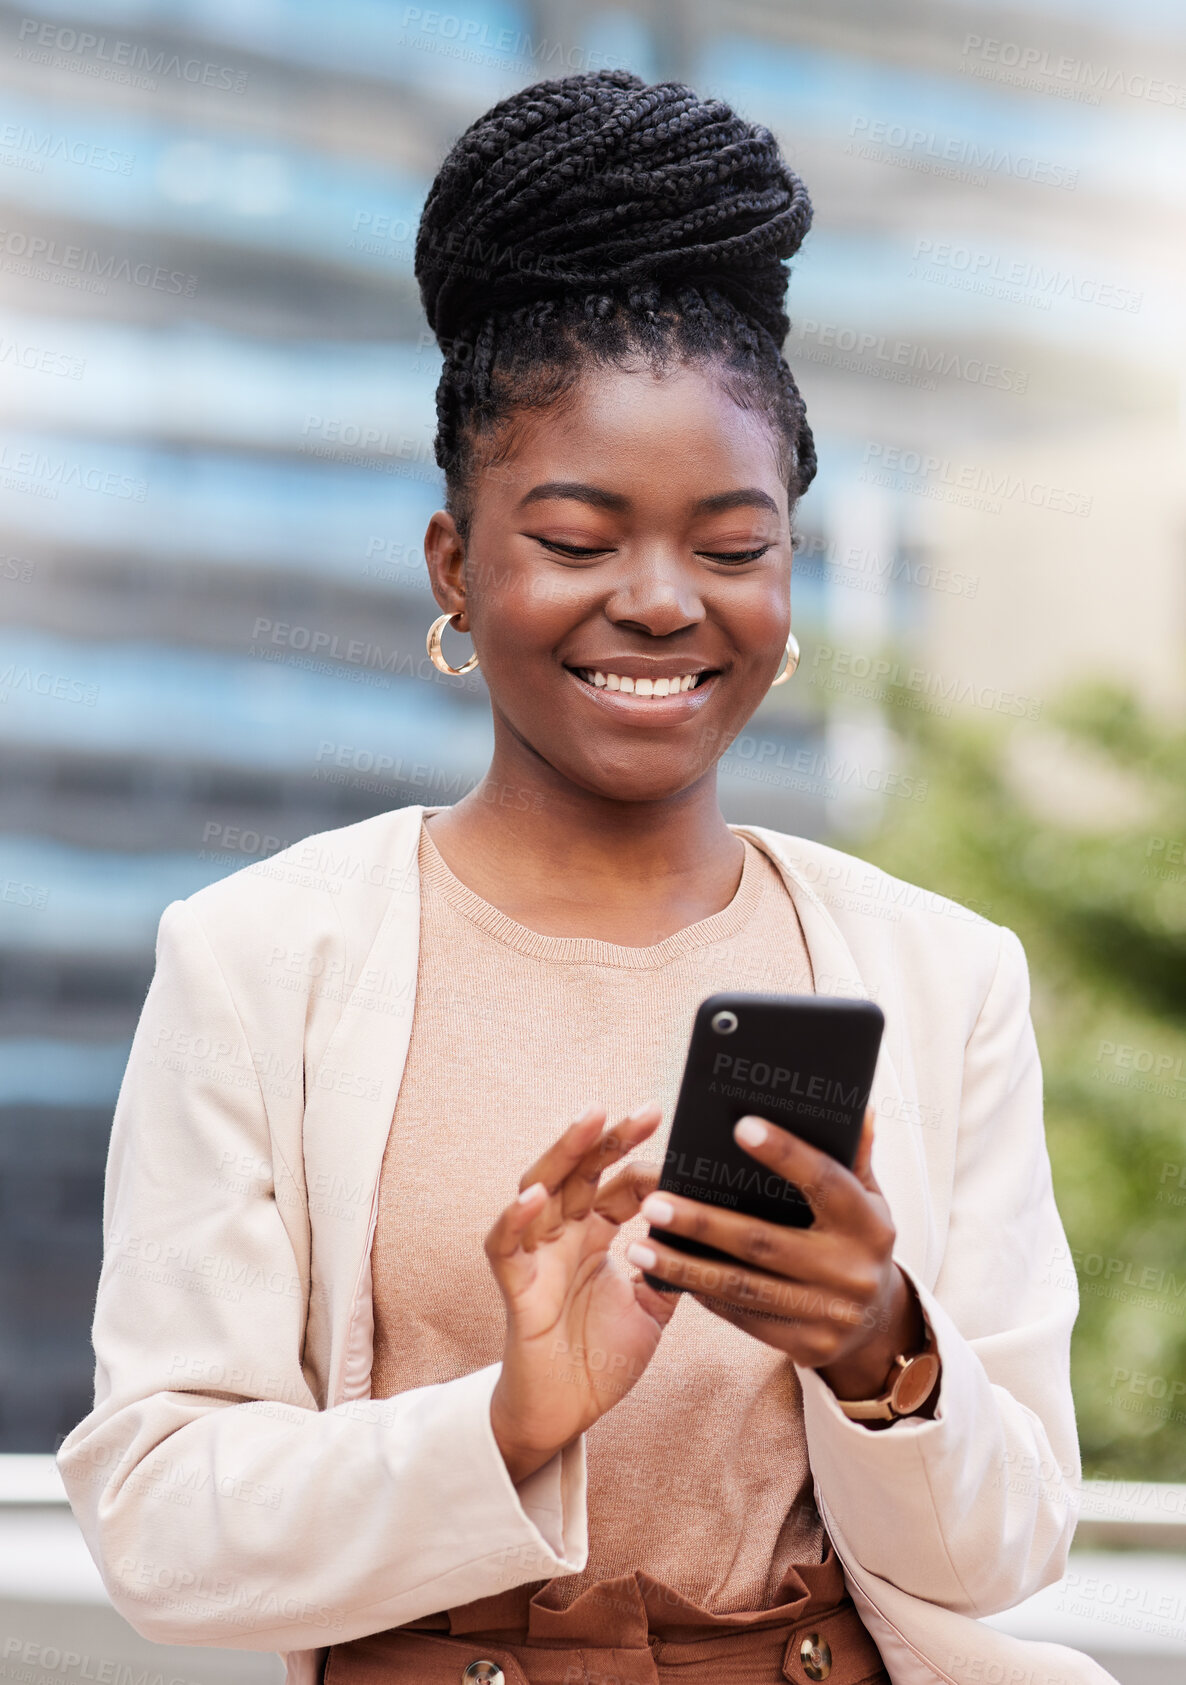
<point x="830" y="1296"/>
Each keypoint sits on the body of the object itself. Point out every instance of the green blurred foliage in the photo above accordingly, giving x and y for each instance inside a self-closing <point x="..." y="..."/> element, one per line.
<point x="1102" y="914"/>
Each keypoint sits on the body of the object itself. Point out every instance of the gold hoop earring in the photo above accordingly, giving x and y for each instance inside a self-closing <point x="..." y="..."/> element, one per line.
<point x="791" y="663"/>
<point x="436" y="654"/>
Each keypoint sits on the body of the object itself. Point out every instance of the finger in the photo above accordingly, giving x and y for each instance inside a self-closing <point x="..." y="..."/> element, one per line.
<point x="580" y="1186"/>
<point x="621" y="1198"/>
<point x="565" y="1153"/>
<point x="813" y="1256"/>
<point x="747" y="1289"/>
<point x="833" y="1192"/>
<point x="805" y="1342"/>
<point x="662" y="1306"/>
<point x="512" y="1264"/>
<point x="745" y="1319"/>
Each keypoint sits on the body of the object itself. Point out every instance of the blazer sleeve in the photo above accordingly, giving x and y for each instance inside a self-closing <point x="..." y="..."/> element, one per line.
<point x="221" y="1504"/>
<point x="975" y="1509"/>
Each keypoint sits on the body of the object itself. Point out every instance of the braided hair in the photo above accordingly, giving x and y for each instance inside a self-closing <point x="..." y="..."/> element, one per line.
<point x="595" y="217"/>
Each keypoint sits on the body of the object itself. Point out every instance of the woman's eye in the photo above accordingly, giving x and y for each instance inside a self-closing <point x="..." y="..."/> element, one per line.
<point x="578" y="552"/>
<point x="574" y="550"/>
<point x="736" y="555"/>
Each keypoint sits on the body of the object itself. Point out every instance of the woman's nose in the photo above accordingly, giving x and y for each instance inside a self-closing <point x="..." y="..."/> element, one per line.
<point x="656" y="597"/>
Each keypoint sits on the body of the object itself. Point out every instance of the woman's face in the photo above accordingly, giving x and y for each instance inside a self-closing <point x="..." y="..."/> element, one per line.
<point x="638" y="534"/>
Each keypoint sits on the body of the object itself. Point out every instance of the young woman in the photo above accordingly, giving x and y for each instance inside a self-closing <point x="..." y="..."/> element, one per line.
<point x="379" y="1381"/>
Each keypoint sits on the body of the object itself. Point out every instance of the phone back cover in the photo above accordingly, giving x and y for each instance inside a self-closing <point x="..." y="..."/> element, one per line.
<point x="804" y="1062"/>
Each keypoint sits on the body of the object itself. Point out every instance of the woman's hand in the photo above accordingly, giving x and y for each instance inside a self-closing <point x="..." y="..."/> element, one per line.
<point x="830" y="1296"/>
<point x="580" y="1331"/>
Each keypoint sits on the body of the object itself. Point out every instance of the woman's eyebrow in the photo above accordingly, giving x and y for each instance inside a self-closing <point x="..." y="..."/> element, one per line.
<point x="747" y="496"/>
<point x="596" y="495"/>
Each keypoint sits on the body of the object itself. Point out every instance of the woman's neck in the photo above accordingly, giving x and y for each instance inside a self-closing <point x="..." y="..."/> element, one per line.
<point x="566" y="862"/>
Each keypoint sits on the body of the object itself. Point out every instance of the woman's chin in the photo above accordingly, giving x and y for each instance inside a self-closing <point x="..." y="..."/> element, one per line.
<point x="651" y="780"/>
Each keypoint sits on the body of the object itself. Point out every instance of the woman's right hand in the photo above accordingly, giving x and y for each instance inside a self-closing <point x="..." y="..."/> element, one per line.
<point x="580" y="1332"/>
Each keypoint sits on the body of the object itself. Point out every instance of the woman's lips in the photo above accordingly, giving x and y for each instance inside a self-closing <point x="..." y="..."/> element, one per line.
<point x="633" y="709"/>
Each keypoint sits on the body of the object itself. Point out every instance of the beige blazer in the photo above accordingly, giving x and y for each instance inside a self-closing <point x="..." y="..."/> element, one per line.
<point x="237" y="1485"/>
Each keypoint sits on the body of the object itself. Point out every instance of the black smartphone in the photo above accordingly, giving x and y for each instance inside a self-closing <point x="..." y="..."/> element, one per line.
<point x="804" y="1062"/>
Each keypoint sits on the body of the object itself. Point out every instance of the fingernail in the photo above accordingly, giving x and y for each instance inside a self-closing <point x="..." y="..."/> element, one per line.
<point x="658" y="1209"/>
<point x="749" y="1132"/>
<point x="529" y="1193"/>
<point x="643" y="1256"/>
<point x="651" y="1106"/>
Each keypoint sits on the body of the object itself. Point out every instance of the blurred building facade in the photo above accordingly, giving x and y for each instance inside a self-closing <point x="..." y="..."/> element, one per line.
<point x="216" y="422"/>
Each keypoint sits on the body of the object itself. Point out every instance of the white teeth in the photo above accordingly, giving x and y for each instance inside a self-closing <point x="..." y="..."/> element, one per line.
<point x="639" y="687"/>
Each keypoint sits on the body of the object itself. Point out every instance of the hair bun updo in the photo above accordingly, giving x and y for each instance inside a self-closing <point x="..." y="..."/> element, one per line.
<point x="596" y="183"/>
<point x="586" y="219"/>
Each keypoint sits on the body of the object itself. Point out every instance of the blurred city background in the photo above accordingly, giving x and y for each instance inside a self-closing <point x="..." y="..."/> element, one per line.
<point x="216" y="415"/>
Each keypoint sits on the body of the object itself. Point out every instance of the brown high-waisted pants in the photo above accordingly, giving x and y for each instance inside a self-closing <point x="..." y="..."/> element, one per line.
<point x="627" y="1631"/>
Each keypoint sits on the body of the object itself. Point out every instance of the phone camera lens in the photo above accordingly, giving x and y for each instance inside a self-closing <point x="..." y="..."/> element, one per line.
<point x="724" y="1023"/>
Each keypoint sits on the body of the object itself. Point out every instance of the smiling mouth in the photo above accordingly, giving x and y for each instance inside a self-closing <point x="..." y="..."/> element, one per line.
<point x="627" y="686"/>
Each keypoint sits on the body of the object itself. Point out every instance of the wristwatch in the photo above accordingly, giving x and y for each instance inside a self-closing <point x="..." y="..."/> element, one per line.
<point x="909" y="1384"/>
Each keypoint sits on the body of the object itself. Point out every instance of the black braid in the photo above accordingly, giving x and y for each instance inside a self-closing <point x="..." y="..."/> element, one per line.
<point x="596" y="216"/>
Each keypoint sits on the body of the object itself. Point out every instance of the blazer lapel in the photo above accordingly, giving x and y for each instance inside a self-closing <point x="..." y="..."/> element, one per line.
<point x="349" y="1111"/>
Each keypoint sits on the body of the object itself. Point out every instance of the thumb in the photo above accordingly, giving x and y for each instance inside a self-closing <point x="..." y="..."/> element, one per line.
<point x="862" y="1164"/>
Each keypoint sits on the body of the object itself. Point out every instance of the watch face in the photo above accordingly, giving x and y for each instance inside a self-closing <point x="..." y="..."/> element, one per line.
<point x="913" y="1386"/>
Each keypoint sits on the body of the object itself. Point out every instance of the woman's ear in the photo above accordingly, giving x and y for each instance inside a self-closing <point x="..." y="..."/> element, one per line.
<point x="444" y="554"/>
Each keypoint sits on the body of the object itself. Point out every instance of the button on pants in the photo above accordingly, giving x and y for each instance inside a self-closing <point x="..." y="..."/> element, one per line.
<point x="830" y="1646"/>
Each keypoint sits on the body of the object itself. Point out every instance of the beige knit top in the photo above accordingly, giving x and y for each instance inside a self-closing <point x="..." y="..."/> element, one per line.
<point x="699" y="1476"/>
